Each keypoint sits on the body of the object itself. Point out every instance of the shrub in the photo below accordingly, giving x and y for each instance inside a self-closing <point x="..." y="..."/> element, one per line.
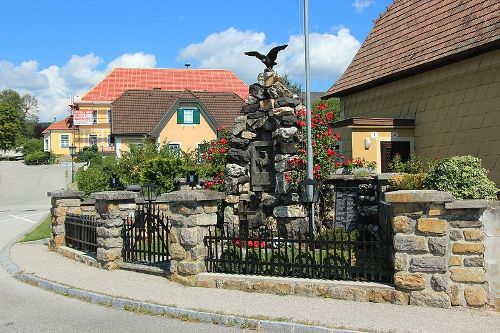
<point x="408" y="181"/>
<point x="87" y="154"/>
<point x="163" y="172"/>
<point x="415" y="165"/>
<point x="94" y="179"/>
<point x="38" y="157"/>
<point x="32" y="145"/>
<point x="463" y="177"/>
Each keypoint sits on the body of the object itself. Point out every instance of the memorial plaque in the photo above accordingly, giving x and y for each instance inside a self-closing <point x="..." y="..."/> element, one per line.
<point x="346" y="212"/>
<point x="262" y="166"/>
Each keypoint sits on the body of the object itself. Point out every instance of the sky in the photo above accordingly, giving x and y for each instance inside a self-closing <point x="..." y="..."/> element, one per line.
<point x="56" y="49"/>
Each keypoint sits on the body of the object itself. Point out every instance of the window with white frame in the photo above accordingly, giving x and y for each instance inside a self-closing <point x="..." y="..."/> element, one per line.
<point x="109" y="116"/>
<point x="64" y="140"/>
<point x="46" y="144"/>
<point x="93" y="140"/>
<point x="175" y="148"/>
<point x="110" y="143"/>
<point x="94" y="116"/>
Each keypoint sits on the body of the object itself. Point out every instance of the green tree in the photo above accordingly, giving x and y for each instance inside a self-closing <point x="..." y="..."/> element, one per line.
<point x="26" y="107"/>
<point x="10" y="126"/>
<point x="294" y="87"/>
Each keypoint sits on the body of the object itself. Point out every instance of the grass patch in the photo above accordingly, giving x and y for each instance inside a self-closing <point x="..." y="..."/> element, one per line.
<point x="41" y="231"/>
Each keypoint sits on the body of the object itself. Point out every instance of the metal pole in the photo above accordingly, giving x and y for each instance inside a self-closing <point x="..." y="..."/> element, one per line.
<point x="72" y="169"/>
<point x="310" y="165"/>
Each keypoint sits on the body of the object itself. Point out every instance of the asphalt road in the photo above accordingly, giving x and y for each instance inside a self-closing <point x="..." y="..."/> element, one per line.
<point x="24" y="308"/>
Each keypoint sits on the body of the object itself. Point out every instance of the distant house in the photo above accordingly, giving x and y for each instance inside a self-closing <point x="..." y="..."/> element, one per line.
<point x="425" y="80"/>
<point x="92" y="113"/>
<point x="58" y="136"/>
<point x="182" y="119"/>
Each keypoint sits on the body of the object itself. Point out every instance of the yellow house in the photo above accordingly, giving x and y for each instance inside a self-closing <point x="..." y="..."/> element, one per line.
<point x="59" y="136"/>
<point x="445" y="79"/>
<point x="92" y="113"/>
<point x="181" y="119"/>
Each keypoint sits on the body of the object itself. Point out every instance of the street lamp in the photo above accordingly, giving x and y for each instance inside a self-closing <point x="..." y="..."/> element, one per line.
<point x="150" y="192"/>
<point x="309" y="193"/>
<point x="72" y="152"/>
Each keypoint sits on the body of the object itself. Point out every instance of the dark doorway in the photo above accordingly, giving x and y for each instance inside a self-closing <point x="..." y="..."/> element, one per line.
<point x="391" y="149"/>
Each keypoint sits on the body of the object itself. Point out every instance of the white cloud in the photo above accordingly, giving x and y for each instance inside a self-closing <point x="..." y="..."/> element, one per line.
<point x="55" y="85"/>
<point x="330" y="54"/>
<point x="360" y="5"/>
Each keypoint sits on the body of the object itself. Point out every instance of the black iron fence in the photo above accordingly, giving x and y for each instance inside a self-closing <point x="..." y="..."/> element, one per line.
<point x="361" y="253"/>
<point x="81" y="232"/>
<point x="145" y="236"/>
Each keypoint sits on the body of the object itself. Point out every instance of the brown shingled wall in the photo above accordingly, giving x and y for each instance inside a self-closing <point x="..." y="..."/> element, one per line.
<point x="456" y="109"/>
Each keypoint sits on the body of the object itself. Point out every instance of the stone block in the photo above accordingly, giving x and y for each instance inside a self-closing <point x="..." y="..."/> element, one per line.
<point x="439" y="282"/>
<point x="454" y="294"/>
<point x="110" y="243"/>
<point x="235" y="170"/>
<point x="127" y="206"/>
<point x="411" y="196"/>
<point x="244" y="285"/>
<point x="389" y="296"/>
<point x="186" y="208"/>
<point x="455" y="261"/>
<point x="289" y="211"/>
<point x="110" y="223"/>
<point x="432" y="226"/>
<point x="58" y="229"/>
<point x="176" y="251"/>
<point x="456" y="234"/>
<point x="409" y="209"/>
<point x="58" y="211"/>
<point x="400" y="261"/>
<point x="475" y="296"/>
<point x="205" y="282"/>
<point x="191" y="196"/>
<point x="402" y="224"/>
<point x="348" y="294"/>
<point x="186" y="280"/>
<point x="466" y="224"/>
<point x="437" y="245"/>
<point x="190" y="267"/>
<point x="68" y="202"/>
<point x="436" y="210"/>
<point x="267" y="104"/>
<point x="474" y="262"/>
<point x="190" y="236"/>
<point x="409" y="281"/>
<point x="108" y="255"/>
<point x="74" y="210"/>
<point x="430" y="299"/>
<point x="103" y="232"/>
<point x="58" y="240"/>
<point x="410" y="243"/>
<point x="468" y="275"/>
<point x="211" y="207"/>
<point x="467" y="248"/>
<point x="198" y="252"/>
<point x="428" y="264"/>
<point x="229" y="216"/>
<point x="473" y="234"/>
<point x="232" y="199"/>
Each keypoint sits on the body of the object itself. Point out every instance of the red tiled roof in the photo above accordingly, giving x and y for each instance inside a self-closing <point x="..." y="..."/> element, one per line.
<point x="123" y="79"/>
<point x="139" y="111"/>
<point x="64" y="124"/>
<point x="418" y="34"/>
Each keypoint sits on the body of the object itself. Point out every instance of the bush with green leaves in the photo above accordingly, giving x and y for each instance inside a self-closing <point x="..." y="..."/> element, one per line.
<point x="38" y="157"/>
<point x="415" y="165"/>
<point x="463" y="177"/>
<point x="163" y="171"/>
<point x="87" y="154"/>
<point x="92" y="179"/>
<point x="30" y="146"/>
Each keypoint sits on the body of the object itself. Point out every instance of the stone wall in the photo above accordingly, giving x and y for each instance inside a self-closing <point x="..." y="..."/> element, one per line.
<point x="264" y="140"/>
<point x="491" y="223"/>
<point x="439" y="249"/>
<point x="455" y="108"/>
<point x="190" y="215"/>
<point x="63" y="202"/>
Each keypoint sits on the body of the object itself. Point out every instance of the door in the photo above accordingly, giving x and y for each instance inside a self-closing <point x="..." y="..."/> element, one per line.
<point x="389" y="149"/>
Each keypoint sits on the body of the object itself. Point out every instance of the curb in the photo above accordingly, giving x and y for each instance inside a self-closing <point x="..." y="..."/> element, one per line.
<point x="155" y="309"/>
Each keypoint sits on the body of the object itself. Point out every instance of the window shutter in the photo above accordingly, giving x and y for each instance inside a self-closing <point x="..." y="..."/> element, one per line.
<point x="180" y="116"/>
<point x="196" y="116"/>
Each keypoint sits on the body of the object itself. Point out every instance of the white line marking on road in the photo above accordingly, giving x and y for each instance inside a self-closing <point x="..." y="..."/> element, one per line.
<point x="22" y="218"/>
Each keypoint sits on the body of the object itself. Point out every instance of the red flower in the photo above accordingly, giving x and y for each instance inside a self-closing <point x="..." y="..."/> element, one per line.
<point x="223" y="141"/>
<point x="337" y="137"/>
<point x="288" y="177"/>
<point x="210" y="184"/>
<point x="301" y="123"/>
<point x="322" y="107"/>
<point x="237" y="242"/>
<point x="223" y="150"/>
<point x="318" y="136"/>
<point x="337" y="164"/>
<point x="329" y="116"/>
<point x="330" y="152"/>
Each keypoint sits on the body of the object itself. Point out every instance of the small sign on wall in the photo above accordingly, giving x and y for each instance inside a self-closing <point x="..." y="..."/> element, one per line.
<point x="374" y="135"/>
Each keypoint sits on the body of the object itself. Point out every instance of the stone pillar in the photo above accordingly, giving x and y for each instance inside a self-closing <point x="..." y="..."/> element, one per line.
<point x="191" y="213"/>
<point x="113" y="208"/>
<point x="63" y="201"/>
<point x="438" y="249"/>
<point x="87" y="207"/>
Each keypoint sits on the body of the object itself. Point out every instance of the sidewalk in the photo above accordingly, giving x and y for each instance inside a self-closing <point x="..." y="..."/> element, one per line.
<point x="37" y="259"/>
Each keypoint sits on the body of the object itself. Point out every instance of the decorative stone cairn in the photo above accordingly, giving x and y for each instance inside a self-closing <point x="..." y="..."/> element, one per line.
<point x="264" y="139"/>
<point x="190" y="214"/>
<point x="439" y="250"/>
<point x="63" y="202"/>
<point x="113" y="208"/>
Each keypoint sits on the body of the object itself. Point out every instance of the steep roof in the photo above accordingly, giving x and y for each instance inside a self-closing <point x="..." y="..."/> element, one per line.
<point x="416" y="35"/>
<point x="64" y="124"/>
<point x="123" y="79"/>
<point x="139" y="111"/>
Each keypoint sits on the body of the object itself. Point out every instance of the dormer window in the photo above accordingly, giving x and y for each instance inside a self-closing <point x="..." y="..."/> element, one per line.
<point x="188" y="116"/>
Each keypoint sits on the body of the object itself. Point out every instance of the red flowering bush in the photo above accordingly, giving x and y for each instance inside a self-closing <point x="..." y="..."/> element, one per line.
<point x="215" y="156"/>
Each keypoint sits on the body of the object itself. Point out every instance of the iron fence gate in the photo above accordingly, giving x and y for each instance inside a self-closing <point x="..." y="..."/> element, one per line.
<point x="81" y="232"/>
<point x="145" y="236"/>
